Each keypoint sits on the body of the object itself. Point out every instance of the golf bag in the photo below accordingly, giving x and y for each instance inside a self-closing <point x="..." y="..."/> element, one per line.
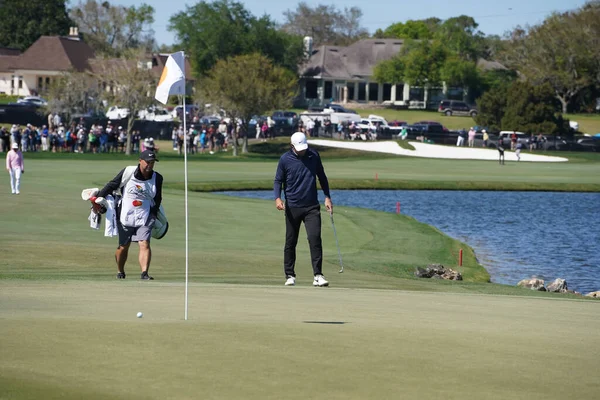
<point x="99" y="205"/>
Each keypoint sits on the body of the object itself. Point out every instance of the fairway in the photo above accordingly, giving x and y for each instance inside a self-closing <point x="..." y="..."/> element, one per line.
<point x="79" y="340"/>
<point x="69" y="330"/>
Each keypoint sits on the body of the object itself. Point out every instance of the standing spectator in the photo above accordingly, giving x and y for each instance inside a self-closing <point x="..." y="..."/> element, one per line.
<point x="518" y="148"/>
<point x="51" y="122"/>
<point x="57" y="120"/>
<point x="135" y="141"/>
<point x="15" y="167"/>
<point x="472" y="137"/>
<point x="45" y="138"/>
<point x="180" y="138"/>
<point x="174" y="138"/>
<point x="532" y="142"/>
<point x="271" y="125"/>
<point x="4" y="140"/>
<point x="121" y="140"/>
<point x="486" y="138"/>
<point x="500" y="147"/>
<point x="103" y="139"/>
<point x="258" y="129"/>
<point x="264" y="129"/>
<point x="297" y="174"/>
<point x="310" y="127"/>
<point x="540" y="141"/>
<point x="461" y="138"/>
<point x="513" y="140"/>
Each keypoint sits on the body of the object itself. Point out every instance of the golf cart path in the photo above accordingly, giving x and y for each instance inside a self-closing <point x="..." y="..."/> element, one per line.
<point x="426" y="150"/>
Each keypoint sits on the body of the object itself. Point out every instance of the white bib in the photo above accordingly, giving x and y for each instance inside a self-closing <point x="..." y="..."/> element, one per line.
<point x="138" y="198"/>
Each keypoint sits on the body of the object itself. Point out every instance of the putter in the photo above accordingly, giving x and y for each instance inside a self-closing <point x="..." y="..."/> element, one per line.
<point x="337" y="243"/>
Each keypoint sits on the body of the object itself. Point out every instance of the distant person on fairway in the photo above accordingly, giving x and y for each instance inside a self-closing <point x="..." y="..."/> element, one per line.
<point x="136" y="213"/>
<point x="297" y="174"/>
<point x="15" y="167"/>
<point x="500" y="150"/>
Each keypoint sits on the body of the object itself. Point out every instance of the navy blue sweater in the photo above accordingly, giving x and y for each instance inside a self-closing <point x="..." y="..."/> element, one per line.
<point x="298" y="176"/>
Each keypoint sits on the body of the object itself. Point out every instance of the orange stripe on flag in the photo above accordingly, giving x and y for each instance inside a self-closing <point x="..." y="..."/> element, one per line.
<point x="163" y="76"/>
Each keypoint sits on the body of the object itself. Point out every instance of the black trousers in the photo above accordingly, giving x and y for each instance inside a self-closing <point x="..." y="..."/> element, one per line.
<point x="311" y="216"/>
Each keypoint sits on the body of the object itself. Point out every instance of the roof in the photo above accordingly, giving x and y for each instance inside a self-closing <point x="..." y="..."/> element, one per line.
<point x="358" y="60"/>
<point x="56" y="53"/>
<point x="486" y="65"/>
<point x="351" y="62"/>
<point x="8" y="51"/>
<point x="6" y="63"/>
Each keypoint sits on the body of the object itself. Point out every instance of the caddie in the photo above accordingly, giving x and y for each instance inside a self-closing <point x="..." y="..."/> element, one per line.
<point x="137" y="209"/>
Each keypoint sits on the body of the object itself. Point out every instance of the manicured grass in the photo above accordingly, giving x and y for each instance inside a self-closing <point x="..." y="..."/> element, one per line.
<point x="81" y="340"/>
<point x="68" y="328"/>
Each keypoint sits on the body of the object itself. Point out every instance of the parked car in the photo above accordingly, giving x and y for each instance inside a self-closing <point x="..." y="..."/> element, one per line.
<point x="398" y="123"/>
<point x="285" y="118"/>
<point x="32" y="100"/>
<point x="456" y="107"/>
<point x="157" y="114"/>
<point x="189" y="109"/>
<point x="506" y="135"/>
<point x="588" y="144"/>
<point x="90" y="118"/>
<point x="437" y="125"/>
<point x="491" y="143"/>
<point x="116" y="112"/>
<point x="338" y="108"/>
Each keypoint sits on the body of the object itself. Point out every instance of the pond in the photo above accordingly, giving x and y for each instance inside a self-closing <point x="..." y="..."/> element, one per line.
<point x="515" y="235"/>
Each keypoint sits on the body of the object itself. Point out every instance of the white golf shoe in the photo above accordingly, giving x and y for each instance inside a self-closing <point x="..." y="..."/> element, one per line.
<point x="291" y="281"/>
<point x="320" y="281"/>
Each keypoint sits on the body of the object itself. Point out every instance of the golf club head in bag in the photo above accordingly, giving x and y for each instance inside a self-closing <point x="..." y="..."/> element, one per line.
<point x="98" y="203"/>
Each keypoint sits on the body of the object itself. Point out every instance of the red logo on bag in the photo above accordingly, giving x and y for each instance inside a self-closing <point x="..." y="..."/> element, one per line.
<point x="137" y="203"/>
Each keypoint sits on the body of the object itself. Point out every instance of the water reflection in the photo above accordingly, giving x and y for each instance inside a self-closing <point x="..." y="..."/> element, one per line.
<point x="514" y="234"/>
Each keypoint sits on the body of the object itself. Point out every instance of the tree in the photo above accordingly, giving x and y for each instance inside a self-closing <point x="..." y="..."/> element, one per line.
<point x="412" y="29"/>
<point x="491" y="108"/>
<point x="248" y="85"/>
<point x="23" y="22"/>
<point x="74" y="93"/>
<point x="129" y="83"/>
<point x="442" y="52"/>
<point x="325" y="24"/>
<point x="419" y="63"/>
<point x="562" y="51"/>
<point x="461" y="38"/>
<point x="111" y="30"/>
<point x="530" y="108"/>
<point x="224" y="28"/>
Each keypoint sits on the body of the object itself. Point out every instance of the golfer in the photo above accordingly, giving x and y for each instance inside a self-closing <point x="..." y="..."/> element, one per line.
<point x="136" y="211"/>
<point x="297" y="173"/>
<point x="15" y="167"/>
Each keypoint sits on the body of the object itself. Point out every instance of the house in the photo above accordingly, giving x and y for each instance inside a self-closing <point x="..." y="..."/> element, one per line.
<point x="33" y="71"/>
<point x="345" y="74"/>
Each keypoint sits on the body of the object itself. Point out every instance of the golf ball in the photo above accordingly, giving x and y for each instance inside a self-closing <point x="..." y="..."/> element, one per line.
<point x="140" y="314"/>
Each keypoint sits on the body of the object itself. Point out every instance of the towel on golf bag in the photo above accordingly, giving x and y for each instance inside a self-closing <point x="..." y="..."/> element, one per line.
<point x="110" y="223"/>
<point x="95" y="220"/>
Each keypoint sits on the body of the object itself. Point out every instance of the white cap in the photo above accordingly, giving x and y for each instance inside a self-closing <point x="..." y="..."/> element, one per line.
<point x="15" y="145"/>
<point x="299" y="141"/>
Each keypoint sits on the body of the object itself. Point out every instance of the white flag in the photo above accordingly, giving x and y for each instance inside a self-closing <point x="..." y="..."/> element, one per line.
<point x="172" y="80"/>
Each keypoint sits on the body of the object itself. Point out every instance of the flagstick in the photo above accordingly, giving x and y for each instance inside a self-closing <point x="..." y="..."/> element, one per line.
<point x="186" y="202"/>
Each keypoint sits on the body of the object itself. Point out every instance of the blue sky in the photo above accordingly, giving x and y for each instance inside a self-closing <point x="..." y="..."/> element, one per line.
<point x="493" y="17"/>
